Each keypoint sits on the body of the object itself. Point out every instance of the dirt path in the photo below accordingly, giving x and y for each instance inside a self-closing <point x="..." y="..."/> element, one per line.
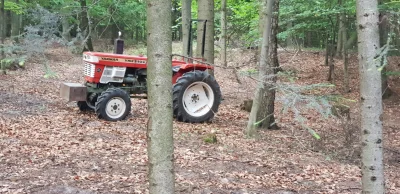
<point x="48" y="146"/>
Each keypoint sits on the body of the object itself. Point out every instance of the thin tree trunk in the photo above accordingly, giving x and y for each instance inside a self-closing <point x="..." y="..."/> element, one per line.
<point x="289" y="39"/>
<point x="266" y="69"/>
<point x="350" y="42"/>
<point x="114" y="33"/>
<point x="186" y="17"/>
<point x="15" y="25"/>
<point x="308" y="42"/>
<point x="85" y="27"/>
<point x="267" y="103"/>
<point x="346" y="61"/>
<point x="137" y="34"/>
<point x="383" y="34"/>
<point x="206" y="12"/>
<point x="2" y="29"/>
<point x="66" y="28"/>
<point x="223" y="32"/>
<point x="371" y="97"/>
<point x="160" y="143"/>
<point x="175" y="16"/>
<point x="273" y="41"/>
<point x="331" y="73"/>
<point x="339" y="47"/>
<point x="327" y="50"/>
<point x="8" y="22"/>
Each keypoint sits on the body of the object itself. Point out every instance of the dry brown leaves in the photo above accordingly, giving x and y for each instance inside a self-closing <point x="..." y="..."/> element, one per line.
<point x="47" y="143"/>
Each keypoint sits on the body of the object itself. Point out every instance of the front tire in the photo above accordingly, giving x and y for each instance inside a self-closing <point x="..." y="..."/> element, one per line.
<point x="196" y="97"/>
<point x="114" y="104"/>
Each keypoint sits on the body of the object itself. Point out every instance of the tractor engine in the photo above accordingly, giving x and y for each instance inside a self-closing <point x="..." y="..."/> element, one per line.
<point x="109" y="71"/>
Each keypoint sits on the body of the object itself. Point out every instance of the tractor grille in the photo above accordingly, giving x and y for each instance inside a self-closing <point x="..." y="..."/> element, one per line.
<point x="89" y="69"/>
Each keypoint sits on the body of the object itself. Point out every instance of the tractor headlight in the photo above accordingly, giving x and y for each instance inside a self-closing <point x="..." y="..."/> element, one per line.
<point x="176" y="68"/>
<point x="90" y="59"/>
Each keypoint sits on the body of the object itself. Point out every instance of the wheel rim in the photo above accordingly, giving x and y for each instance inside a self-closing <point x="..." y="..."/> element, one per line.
<point x="115" y="107"/>
<point x="198" y="99"/>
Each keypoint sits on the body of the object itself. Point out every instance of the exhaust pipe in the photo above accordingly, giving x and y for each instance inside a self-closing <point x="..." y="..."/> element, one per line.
<point x="119" y="45"/>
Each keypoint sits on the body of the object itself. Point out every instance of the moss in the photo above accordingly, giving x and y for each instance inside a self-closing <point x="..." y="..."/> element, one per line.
<point x="210" y="138"/>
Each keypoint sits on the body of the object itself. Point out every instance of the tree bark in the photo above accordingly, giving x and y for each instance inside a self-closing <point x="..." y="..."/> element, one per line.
<point x="15" y="25"/>
<point x="331" y="73"/>
<point x="2" y="28"/>
<point x="66" y="28"/>
<point x="383" y="34"/>
<point x="350" y="42"/>
<point x="223" y="32"/>
<point x="174" y="18"/>
<point x="8" y="20"/>
<point x="371" y="97"/>
<point x="160" y="144"/>
<point x="206" y="12"/>
<point x="339" y="45"/>
<point x="266" y="70"/>
<point x="267" y="104"/>
<point x="273" y="41"/>
<point x="308" y="40"/>
<point x="327" y="50"/>
<point x="85" y="27"/>
<point x="289" y="38"/>
<point x="186" y="17"/>
<point x="114" y="33"/>
<point x="137" y="34"/>
<point x="346" y="59"/>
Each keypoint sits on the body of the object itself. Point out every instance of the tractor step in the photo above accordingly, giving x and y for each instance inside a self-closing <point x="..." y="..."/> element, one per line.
<point x="139" y="97"/>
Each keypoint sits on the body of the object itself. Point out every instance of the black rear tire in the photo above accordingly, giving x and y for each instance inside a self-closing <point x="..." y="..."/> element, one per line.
<point x="182" y="84"/>
<point x="83" y="106"/>
<point x="118" y="110"/>
<point x="89" y="104"/>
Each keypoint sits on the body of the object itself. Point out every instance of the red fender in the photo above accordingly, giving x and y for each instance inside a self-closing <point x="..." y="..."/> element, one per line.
<point x="189" y="67"/>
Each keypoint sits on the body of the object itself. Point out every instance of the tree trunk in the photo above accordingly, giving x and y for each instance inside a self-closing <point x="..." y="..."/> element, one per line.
<point x="289" y="39"/>
<point x="175" y="16"/>
<point x="308" y="41"/>
<point x="8" y="20"/>
<point x="266" y="70"/>
<point x="206" y="12"/>
<point x="267" y="108"/>
<point x="339" y="47"/>
<point x="160" y="144"/>
<point x="331" y="73"/>
<point x="15" y="25"/>
<point x="2" y="28"/>
<point x="223" y="32"/>
<point x="371" y="97"/>
<point x="383" y="34"/>
<point x="66" y="28"/>
<point x="137" y="34"/>
<point x="85" y="27"/>
<point x="346" y="61"/>
<point x="114" y="33"/>
<point x="327" y="50"/>
<point x="350" y="42"/>
<point x="273" y="41"/>
<point x="186" y="17"/>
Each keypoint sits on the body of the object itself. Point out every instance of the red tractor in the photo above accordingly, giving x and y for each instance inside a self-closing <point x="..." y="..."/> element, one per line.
<point x="111" y="79"/>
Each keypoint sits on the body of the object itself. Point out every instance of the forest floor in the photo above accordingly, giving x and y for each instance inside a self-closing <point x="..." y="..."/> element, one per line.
<point x="49" y="146"/>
